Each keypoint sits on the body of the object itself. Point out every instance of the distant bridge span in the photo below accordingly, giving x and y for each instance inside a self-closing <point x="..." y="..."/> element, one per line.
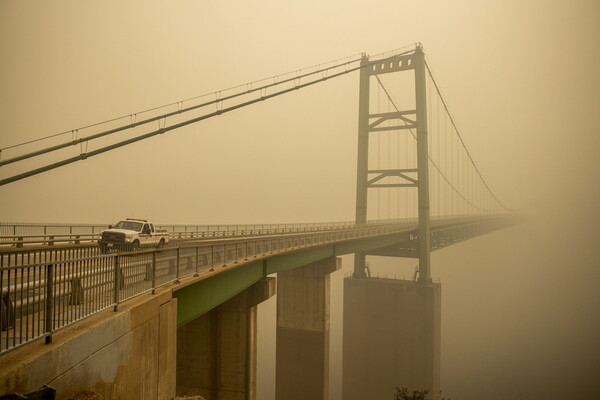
<point x="262" y="252"/>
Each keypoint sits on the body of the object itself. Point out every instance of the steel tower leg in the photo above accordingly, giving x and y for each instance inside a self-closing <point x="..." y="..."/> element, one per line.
<point x="423" y="167"/>
<point x="362" y="162"/>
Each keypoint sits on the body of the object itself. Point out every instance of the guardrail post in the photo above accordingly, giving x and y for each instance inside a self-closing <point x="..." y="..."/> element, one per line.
<point x="177" y="268"/>
<point x="153" y="272"/>
<point x="7" y="312"/>
<point x="116" y="284"/>
<point x="49" y="320"/>
<point x="77" y="294"/>
<point x="148" y="275"/>
<point x="197" y="260"/>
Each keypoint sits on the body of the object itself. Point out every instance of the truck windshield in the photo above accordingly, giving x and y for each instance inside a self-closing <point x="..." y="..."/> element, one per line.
<point x="130" y="225"/>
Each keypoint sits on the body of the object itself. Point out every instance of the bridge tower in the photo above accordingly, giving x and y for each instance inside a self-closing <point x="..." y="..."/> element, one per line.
<point x="392" y="327"/>
<point x="406" y="120"/>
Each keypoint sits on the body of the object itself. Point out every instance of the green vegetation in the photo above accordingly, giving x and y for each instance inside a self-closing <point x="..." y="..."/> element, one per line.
<point x="403" y="394"/>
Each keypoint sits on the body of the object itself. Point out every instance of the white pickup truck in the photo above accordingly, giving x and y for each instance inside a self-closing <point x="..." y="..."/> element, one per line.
<point x="130" y="235"/>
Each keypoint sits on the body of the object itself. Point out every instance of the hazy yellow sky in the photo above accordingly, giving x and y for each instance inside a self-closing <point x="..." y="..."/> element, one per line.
<point x="520" y="78"/>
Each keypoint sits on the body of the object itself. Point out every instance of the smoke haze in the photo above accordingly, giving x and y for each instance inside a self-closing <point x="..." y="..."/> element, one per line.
<point x="520" y="316"/>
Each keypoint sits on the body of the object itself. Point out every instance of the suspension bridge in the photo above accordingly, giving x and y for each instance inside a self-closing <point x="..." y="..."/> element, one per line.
<point x="418" y="190"/>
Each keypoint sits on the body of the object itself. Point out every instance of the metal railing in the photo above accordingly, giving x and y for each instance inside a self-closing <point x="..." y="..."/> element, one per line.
<point x="45" y="293"/>
<point x="17" y="229"/>
<point x="20" y="234"/>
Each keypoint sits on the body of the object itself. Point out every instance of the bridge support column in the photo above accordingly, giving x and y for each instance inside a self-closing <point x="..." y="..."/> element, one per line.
<point x="302" y="359"/>
<point x="391" y="337"/>
<point x="216" y="352"/>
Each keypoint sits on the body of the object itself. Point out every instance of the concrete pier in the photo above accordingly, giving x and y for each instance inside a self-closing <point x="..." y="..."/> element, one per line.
<point x="216" y="353"/>
<point x="391" y="337"/>
<point x="303" y="331"/>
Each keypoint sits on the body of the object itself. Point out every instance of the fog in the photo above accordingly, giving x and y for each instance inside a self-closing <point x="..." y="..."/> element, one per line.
<point x="520" y="315"/>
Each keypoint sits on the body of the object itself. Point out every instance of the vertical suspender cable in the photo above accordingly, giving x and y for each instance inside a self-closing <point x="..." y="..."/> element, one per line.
<point x="454" y="173"/>
<point x="390" y="165"/>
<point x="399" y="166"/>
<point x="439" y="132"/>
<point x="406" y="165"/>
<point x="378" y="154"/>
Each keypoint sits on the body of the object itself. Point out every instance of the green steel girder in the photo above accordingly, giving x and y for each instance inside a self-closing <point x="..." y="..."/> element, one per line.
<point x="205" y="294"/>
<point x="364" y="245"/>
<point x="392" y="251"/>
<point x="291" y="260"/>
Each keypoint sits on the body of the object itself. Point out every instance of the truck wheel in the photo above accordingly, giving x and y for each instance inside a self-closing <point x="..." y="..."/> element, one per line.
<point x="136" y="245"/>
<point x="161" y="244"/>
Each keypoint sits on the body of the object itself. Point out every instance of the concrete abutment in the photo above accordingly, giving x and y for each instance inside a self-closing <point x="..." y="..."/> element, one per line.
<point x="128" y="354"/>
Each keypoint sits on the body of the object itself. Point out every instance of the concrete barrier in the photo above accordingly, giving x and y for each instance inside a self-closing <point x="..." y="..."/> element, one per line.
<point x="129" y="354"/>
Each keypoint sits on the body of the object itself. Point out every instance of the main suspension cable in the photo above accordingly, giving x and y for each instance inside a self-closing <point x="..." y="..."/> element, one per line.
<point x="460" y="137"/>
<point x="217" y="100"/>
<point x="346" y="65"/>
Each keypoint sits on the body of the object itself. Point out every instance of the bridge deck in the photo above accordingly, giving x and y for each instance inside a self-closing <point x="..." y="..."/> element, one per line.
<point x="47" y="288"/>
